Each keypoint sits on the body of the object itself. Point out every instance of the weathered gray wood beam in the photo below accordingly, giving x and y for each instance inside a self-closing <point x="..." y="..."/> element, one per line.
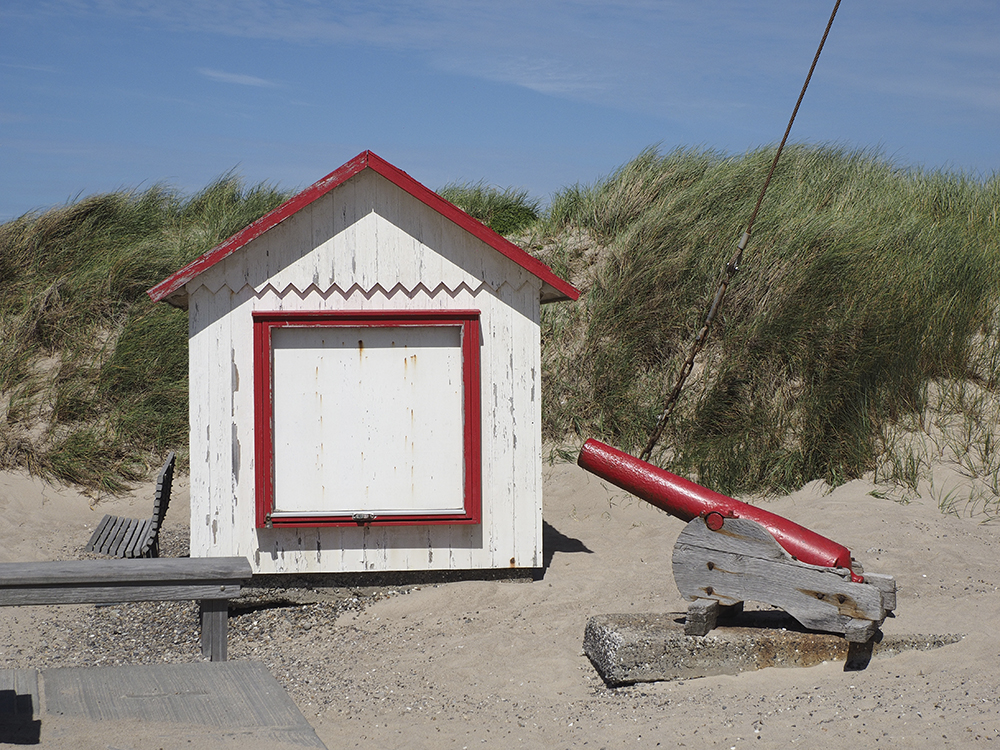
<point x="742" y="562"/>
<point x="212" y="581"/>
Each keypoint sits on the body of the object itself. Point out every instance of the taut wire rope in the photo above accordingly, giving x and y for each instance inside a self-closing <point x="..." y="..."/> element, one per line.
<point x="732" y="268"/>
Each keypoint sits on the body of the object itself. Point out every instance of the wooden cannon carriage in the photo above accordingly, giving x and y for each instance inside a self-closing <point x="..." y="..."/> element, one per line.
<point x="731" y="552"/>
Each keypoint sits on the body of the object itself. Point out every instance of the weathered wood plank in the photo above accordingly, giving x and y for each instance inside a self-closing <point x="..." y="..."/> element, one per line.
<point x="499" y="436"/>
<point x="123" y="541"/>
<point x="214" y="629"/>
<point x="743" y="562"/>
<point x="210" y="580"/>
<point x="84" y="572"/>
<point x="237" y="704"/>
<point x="702" y="616"/>
<point x="114" y="531"/>
<point x="21" y="597"/>
<point x="99" y="538"/>
<point x="526" y="396"/>
<point x="241" y="539"/>
<point x="144" y="539"/>
<point x="18" y="697"/>
<point x="216" y="412"/>
<point x="200" y="350"/>
<point x="887" y="585"/>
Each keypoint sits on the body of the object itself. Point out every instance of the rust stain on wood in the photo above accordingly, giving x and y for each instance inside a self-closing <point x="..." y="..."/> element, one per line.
<point x="845" y="605"/>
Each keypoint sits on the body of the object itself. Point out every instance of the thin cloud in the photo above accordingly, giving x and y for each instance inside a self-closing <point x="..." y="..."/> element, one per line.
<point x="545" y="75"/>
<point x="238" y="78"/>
<point x="587" y="50"/>
<point x="33" y="68"/>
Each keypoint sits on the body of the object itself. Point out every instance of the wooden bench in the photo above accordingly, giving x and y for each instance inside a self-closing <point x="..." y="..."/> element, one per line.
<point x="210" y="580"/>
<point x="136" y="537"/>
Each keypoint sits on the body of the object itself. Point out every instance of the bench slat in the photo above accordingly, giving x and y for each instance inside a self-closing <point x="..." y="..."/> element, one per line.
<point x="122" y="535"/>
<point x="117" y="531"/>
<point x="16" y="597"/>
<point x="106" y="535"/>
<point x="110" y="534"/>
<point x="143" y="540"/>
<point x="97" y="539"/>
<point x="152" y="570"/>
<point x="133" y="539"/>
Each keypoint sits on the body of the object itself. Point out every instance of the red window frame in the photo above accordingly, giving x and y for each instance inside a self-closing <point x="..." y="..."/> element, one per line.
<point x="264" y="322"/>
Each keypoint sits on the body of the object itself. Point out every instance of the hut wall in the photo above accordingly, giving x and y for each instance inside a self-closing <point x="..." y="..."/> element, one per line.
<point x="366" y="246"/>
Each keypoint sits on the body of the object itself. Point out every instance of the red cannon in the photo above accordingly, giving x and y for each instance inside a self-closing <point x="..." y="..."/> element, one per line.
<point x="732" y="551"/>
<point x="686" y="500"/>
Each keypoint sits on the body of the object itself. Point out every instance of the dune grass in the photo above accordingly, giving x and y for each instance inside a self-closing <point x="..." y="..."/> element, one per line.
<point x="862" y="284"/>
<point x="93" y="376"/>
<point x="867" y="301"/>
<point x="504" y="210"/>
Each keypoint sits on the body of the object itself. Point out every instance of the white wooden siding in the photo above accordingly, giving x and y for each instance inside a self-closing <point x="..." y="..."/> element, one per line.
<point x="366" y="246"/>
<point x="381" y="238"/>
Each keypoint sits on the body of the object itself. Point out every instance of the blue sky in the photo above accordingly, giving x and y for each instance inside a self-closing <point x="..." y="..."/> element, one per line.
<point x="99" y="95"/>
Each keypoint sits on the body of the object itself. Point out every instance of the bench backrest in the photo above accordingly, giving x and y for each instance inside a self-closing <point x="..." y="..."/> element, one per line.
<point x="161" y="499"/>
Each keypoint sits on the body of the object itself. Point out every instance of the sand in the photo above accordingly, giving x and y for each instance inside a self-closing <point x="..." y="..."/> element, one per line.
<point x="499" y="663"/>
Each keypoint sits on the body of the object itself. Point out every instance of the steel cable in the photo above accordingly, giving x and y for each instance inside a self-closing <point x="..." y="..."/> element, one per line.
<point x="733" y="267"/>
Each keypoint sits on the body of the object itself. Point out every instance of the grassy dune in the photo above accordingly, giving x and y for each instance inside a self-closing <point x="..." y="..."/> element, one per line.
<point x="867" y="300"/>
<point x="863" y="285"/>
<point x="93" y="376"/>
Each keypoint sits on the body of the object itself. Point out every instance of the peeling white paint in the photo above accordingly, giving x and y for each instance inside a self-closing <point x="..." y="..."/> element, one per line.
<point x="368" y="246"/>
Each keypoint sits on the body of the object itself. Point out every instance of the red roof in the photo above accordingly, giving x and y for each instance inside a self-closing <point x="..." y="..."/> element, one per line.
<point x="554" y="288"/>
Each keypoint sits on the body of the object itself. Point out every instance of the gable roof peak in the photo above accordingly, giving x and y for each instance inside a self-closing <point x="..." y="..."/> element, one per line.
<point x="173" y="288"/>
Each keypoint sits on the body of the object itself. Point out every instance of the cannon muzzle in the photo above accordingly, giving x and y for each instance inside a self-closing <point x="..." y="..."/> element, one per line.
<point x="687" y="501"/>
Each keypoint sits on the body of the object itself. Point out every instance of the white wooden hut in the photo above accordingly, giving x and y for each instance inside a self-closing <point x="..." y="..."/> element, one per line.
<point x="365" y="384"/>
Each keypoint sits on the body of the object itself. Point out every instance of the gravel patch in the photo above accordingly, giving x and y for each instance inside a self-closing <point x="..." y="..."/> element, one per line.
<point x="274" y="621"/>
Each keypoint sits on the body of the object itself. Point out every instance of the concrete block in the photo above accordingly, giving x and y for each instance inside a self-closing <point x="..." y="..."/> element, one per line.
<point x="630" y="648"/>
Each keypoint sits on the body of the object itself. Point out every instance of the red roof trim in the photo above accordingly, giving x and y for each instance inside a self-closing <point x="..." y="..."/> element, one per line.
<point x="364" y="160"/>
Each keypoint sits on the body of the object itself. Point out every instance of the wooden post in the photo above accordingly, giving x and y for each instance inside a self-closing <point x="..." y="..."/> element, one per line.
<point x="214" y="628"/>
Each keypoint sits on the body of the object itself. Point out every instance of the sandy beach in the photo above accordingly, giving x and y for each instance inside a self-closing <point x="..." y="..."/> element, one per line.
<point x="499" y="663"/>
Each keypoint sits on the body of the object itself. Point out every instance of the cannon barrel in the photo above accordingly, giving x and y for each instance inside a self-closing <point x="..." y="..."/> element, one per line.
<point x="687" y="501"/>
